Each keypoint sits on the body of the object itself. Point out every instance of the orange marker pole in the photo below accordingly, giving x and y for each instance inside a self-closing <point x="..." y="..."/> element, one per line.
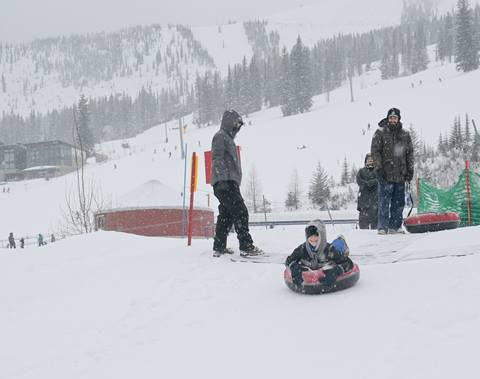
<point x="193" y="188"/>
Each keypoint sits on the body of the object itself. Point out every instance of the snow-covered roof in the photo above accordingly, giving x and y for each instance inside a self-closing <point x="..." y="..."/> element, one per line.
<point x="40" y="168"/>
<point x="151" y="194"/>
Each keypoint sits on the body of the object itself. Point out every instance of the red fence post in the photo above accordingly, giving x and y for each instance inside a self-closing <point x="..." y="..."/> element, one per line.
<point x="467" y="185"/>
<point x="193" y="188"/>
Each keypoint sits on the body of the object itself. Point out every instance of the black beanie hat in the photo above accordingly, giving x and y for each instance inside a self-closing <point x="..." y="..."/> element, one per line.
<point x="394" y="112"/>
<point x="311" y="230"/>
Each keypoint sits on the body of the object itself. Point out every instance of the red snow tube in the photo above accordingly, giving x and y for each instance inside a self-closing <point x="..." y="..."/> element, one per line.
<point x="312" y="286"/>
<point x="432" y="222"/>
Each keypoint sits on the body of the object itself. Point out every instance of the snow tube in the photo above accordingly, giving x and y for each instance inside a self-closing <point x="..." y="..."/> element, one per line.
<point x="431" y="222"/>
<point x="311" y="285"/>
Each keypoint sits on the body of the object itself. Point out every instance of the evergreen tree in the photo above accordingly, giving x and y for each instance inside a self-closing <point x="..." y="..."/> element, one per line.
<point x="319" y="191"/>
<point x="294" y="192"/>
<point x="419" y="53"/>
<point x="287" y="95"/>
<point x="467" y="134"/>
<point x="254" y="89"/>
<point x="345" y="178"/>
<point x="290" y="202"/>
<point x="85" y="136"/>
<point x="466" y="39"/>
<point x="416" y="142"/>
<point x="445" y="45"/>
<point x="297" y="87"/>
<point x="301" y="74"/>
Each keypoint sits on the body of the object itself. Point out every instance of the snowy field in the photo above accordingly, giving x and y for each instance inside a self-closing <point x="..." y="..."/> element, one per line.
<point x="114" y="305"/>
<point x="117" y="305"/>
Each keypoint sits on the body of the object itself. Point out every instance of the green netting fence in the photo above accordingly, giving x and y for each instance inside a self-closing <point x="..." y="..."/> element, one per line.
<point x="454" y="199"/>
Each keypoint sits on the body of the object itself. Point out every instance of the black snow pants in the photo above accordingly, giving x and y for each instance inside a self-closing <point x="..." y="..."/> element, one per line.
<point x="231" y="211"/>
<point x="367" y="219"/>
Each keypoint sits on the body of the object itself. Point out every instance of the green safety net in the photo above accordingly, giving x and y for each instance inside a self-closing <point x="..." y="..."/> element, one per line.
<point x="454" y="199"/>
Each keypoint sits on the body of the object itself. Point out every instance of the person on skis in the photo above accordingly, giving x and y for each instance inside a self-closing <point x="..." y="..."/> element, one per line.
<point x="316" y="253"/>
<point x="367" y="196"/>
<point x="226" y="174"/>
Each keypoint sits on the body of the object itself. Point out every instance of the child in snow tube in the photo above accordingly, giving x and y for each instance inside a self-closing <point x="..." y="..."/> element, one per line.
<point x="317" y="254"/>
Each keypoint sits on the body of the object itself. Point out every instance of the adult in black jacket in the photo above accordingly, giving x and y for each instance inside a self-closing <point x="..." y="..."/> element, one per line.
<point x="392" y="151"/>
<point x="11" y="241"/>
<point x="226" y="174"/>
<point x="316" y="253"/>
<point x="367" y="195"/>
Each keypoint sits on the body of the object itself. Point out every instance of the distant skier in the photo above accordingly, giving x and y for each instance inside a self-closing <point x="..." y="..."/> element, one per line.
<point x="52" y="238"/>
<point x="392" y="152"/>
<point x="316" y="253"/>
<point x="367" y="203"/>
<point x="40" y="240"/>
<point x="11" y="241"/>
<point x="22" y="243"/>
<point x="226" y="174"/>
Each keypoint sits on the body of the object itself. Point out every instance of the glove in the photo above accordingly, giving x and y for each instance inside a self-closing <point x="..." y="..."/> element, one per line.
<point x="314" y="266"/>
<point x="331" y="275"/>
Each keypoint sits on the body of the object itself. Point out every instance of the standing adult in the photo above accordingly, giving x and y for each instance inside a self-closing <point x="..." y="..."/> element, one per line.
<point x="367" y="204"/>
<point x="11" y="241"/>
<point x="392" y="151"/>
<point x="40" y="239"/>
<point x="226" y="174"/>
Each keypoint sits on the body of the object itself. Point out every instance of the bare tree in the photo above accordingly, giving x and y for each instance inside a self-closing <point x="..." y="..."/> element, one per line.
<point x="253" y="191"/>
<point x="82" y="199"/>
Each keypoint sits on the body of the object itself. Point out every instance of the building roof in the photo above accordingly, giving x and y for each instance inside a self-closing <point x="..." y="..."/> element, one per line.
<point x="47" y="143"/>
<point x="150" y="194"/>
<point x="40" y="168"/>
<point x="17" y="146"/>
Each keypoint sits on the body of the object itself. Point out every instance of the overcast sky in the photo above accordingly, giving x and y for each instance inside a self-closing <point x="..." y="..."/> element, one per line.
<point x="29" y="19"/>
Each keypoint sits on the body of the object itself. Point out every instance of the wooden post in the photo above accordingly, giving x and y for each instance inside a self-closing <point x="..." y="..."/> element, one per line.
<point x="467" y="185"/>
<point x="193" y="188"/>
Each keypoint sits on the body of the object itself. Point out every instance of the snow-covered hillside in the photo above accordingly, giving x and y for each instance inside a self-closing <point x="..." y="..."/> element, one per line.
<point x="52" y="73"/>
<point x="270" y="143"/>
<point x="116" y="305"/>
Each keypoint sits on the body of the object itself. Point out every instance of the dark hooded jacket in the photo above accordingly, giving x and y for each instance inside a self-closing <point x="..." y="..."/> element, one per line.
<point x="367" y="189"/>
<point x="392" y="151"/>
<point x="316" y="257"/>
<point x="225" y="160"/>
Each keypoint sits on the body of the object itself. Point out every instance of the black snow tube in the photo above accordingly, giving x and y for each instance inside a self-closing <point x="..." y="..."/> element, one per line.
<point x="432" y="222"/>
<point x="312" y="286"/>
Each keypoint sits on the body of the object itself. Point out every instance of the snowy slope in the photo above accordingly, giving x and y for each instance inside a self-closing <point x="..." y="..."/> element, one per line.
<point x="39" y="79"/>
<point x="116" y="305"/>
<point x="227" y="44"/>
<point x="326" y="18"/>
<point x="331" y="131"/>
<point x="313" y="21"/>
<point x="32" y="87"/>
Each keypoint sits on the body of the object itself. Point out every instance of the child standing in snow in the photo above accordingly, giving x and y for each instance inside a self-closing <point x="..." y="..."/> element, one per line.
<point x="316" y="253"/>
